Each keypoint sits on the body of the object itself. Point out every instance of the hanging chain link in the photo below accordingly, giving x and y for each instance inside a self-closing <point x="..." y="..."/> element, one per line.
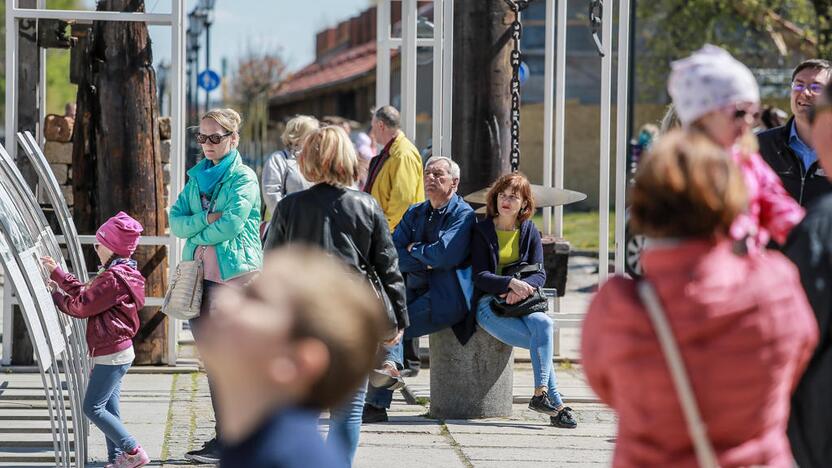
<point x="516" y="33"/>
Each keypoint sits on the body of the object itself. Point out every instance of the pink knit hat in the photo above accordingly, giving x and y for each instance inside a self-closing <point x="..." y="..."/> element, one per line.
<point x="120" y="234"/>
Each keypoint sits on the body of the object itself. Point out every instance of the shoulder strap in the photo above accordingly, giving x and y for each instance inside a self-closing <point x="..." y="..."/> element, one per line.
<point x="696" y="426"/>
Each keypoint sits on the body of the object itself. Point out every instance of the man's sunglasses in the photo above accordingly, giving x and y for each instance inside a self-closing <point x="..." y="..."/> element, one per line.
<point x="215" y="139"/>
<point x="817" y="110"/>
<point x="814" y="88"/>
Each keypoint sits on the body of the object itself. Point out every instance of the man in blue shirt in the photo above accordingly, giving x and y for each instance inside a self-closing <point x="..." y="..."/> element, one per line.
<point x="433" y="241"/>
<point x="789" y="149"/>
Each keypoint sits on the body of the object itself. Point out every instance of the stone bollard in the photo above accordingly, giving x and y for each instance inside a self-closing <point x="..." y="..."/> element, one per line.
<point x="471" y="381"/>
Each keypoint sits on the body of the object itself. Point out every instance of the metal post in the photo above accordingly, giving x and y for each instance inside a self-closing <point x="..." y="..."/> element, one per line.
<point x="438" y="99"/>
<point x="383" y="54"/>
<point x="560" y="108"/>
<point x="207" y="59"/>
<point x="447" y="75"/>
<point x="604" y="165"/>
<point x="408" y="60"/>
<point x="622" y="138"/>
<point x="177" y="150"/>
<point x="11" y="75"/>
<point x="548" y="78"/>
<point x="39" y="128"/>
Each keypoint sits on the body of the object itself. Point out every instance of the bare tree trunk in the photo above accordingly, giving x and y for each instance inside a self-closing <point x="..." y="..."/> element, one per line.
<point x="119" y="126"/>
<point x="482" y="97"/>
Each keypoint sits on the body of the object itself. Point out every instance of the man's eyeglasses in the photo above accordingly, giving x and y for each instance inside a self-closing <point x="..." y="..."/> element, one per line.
<point x="814" y="88"/>
<point x="215" y="139"/>
<point x="817" y="110"/>
<point x="435" y="174"/>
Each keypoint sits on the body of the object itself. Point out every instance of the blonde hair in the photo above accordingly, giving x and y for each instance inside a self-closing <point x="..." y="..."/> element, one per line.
<point x="686" y="186"/>
<point x="227" y="118"/>
<point x="329" y="156"/>
<point x="297" y="129"/>
<point x="349" y="319"/>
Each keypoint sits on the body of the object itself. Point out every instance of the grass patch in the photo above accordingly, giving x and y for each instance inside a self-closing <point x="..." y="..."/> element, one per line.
<point x="169" y="422"/>
<point x="581" y="229"/>
<point x="422" y="401"/>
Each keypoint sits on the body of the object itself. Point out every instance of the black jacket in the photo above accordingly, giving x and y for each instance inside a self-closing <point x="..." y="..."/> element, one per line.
<point x="307" y="217"/>
<point x="775" y="150"/>
<point x="810" y="247"/>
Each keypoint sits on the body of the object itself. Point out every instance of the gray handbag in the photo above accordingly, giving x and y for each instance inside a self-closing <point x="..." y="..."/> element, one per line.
<point x="184" y="296"/>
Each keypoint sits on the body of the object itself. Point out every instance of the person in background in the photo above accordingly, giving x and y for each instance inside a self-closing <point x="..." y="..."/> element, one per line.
<point x="395" y="175"/>
<point x="741" y="321"/>
<point x="717" y="96"/>
<point x="789" y="149"/>
<point x="350" y="225"/>
<point x="366" y="152"/>
<point x="508" y="236"/>
<point x="111" y="304"/>
<point x="280" y="173"/>
<point x="810" y="248"/>
<point x="282" y="352"/>
<point x="433" y="244"/>
<point x="218" y="215"/>
<point x="772" y="117"/>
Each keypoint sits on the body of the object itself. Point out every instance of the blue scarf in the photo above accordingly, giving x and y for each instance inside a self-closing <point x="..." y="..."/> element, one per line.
<point x="209" y="174"/>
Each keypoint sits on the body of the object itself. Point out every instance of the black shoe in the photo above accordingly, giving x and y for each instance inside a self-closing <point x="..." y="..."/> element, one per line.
<point x="409" y="372"/>
<point x="208" y="454"/>
<point x="564" y="419"/>
<point x="542" y="404"/>
<point x="372" y="414"/>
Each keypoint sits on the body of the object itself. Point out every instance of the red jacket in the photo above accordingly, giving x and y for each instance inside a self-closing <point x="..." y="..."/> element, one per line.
<point x="111" y="305"/>
<point x="745" y="331"/>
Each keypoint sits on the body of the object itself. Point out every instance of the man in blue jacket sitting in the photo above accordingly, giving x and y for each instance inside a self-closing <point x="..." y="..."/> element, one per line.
<point x="432" y="241"/>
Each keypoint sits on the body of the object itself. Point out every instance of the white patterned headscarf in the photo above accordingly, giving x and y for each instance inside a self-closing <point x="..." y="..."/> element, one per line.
<point x="708" y="80"/>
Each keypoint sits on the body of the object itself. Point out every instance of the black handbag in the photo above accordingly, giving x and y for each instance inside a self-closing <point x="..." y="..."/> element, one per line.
<point x="536" y="302"/>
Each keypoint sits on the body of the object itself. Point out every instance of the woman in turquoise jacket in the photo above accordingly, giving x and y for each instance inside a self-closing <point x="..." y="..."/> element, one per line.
<point x="218" y="215"/>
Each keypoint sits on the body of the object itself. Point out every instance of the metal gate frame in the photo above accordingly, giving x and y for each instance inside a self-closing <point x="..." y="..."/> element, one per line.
<point x="176" y="21"/>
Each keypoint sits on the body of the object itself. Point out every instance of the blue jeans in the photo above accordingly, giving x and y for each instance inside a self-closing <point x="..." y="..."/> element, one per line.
<point x="420" y="325"/>
<point x="101" y="406"/>
<point x="534" y="332"/>
<point x="345" y="424"/>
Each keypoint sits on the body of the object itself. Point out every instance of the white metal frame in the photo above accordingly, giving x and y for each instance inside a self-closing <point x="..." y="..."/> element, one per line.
<point x="442" y="45"/>
<point x="176" y="20"/>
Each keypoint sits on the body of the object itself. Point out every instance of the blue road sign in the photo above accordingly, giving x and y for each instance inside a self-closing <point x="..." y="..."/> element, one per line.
<point x="523" y="73"/>
<point x="209" y="80"/>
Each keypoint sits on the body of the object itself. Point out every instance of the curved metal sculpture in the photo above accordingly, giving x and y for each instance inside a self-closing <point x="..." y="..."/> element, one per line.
<point x="58" y="340"/>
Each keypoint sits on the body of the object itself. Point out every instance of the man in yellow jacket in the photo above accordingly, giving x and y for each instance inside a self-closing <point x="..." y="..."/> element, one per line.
<point x="395" y="176"/>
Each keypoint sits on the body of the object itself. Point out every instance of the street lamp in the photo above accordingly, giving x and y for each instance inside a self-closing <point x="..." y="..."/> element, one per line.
<point x="206" y="7"/>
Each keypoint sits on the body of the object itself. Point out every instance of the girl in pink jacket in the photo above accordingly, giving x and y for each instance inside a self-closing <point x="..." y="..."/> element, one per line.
<point x="715" y="94"/>
<point x="743" y="326"/>
<point x="111" y="304"/>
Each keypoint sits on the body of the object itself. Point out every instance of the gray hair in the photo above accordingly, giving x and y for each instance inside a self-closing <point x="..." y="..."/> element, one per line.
<point x="389" y="116"/>
<point x="453" y="168"/>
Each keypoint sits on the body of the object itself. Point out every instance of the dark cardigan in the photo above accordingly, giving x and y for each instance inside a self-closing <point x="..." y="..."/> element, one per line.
<point x="485" y="251"/>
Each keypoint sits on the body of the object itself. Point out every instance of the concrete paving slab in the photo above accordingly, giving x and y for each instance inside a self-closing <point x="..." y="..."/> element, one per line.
<point x="382" y="457"/>
<point x="553" y="456"/>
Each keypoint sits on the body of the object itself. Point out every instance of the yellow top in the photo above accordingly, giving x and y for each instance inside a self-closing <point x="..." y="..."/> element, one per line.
<point x="509" y="242"/>
<point x="399" y="182"/>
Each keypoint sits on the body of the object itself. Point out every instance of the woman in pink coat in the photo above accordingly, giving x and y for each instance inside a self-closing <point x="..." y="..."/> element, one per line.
<point x="716" y="95"/>
<point x="742" y="322"/>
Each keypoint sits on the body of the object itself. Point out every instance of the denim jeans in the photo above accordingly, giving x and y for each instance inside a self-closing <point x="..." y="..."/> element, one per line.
<point x="420" y="325"/>
<point x="534" y="332"/>
<point x="208" y="289"/>
<point x="345" y="424"/>
<point x="102" y="407"/>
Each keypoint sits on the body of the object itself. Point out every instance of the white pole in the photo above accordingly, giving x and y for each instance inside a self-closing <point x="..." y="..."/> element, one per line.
<point x="383" y="54"/>
<point x="177" y="157"/>
<point x="447" y="76"/>
<point x="408" y="61"/>
<point x="604" y="165"/>
<point x="40" y="131"/>
<point x="548" y="106"/>
<point x="621" y="138"/>
<point x="560" y="109"/>
<point x="11" y="78"/>
<point x="436" y="117"/>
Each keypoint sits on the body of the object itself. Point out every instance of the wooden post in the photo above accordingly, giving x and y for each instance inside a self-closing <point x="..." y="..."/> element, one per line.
<point x="118" y="123"/>
<point x="482" y="96"/>
<point x="27" y="119"/>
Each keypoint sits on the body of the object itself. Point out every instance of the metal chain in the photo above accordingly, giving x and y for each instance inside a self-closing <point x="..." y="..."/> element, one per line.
<point x="516" y="33"/>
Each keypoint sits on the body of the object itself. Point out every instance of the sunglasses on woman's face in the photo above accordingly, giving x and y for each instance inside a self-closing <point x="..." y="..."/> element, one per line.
<point x="742" y="114"/>
<point x="215" y="139"/>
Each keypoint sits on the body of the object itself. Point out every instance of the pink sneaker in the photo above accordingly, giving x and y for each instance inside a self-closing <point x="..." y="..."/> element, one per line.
<point x="125" y="460"/>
